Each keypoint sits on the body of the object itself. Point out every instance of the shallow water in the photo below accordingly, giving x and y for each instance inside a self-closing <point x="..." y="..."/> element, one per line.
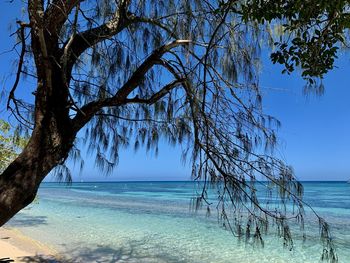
<point x="152" y="222"/>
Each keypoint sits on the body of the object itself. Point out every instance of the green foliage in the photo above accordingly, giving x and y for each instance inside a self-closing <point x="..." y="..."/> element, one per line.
<point x="10" y="144"/>
<point x="313" y="32"/>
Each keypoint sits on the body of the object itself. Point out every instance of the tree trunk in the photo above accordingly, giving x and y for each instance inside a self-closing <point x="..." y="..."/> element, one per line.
<point x="48" y="146"/>
<point x="53" y="133"/>
<point x="20" y="181"/>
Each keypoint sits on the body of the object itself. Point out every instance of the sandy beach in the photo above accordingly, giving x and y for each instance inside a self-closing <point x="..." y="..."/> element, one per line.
<point x="20" y="248"/>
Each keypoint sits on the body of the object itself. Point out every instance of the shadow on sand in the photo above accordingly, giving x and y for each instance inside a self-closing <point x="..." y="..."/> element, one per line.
<point x="104" y="254"/>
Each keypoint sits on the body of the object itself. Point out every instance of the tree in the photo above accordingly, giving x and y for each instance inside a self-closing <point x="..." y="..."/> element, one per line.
<point x="134" y="72"/>
<point x="312" y="32"/>
<point x="10" y="144"/>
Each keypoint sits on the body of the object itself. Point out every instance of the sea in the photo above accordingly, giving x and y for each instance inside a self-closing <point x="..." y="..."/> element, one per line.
<point x="154" y="222"/>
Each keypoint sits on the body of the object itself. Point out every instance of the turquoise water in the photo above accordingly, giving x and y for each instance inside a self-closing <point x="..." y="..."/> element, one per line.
<point x="152" y="222"/>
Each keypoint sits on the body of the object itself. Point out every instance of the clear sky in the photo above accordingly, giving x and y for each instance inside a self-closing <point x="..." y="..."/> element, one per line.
<point x="314" y="137"/>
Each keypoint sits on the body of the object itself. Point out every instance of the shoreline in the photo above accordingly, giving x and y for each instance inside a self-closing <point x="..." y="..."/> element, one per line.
<point x="21" y="248"/>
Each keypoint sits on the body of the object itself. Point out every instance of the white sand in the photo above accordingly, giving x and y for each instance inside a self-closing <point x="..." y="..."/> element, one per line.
<point x="20" y="248"/>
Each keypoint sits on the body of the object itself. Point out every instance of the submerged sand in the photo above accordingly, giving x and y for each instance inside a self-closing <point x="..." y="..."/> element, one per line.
<point x="16" y="246"/>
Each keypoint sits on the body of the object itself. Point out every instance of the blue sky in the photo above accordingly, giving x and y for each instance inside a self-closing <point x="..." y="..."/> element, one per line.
<point x="314" y="137"/>
<point x="315" y="130"/>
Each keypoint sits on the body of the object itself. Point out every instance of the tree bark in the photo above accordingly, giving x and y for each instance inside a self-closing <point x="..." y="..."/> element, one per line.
<point x="47" y="147"/>
<point x="53" y="134"/>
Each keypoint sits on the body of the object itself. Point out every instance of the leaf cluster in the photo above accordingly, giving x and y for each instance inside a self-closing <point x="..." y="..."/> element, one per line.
<point x="10" y="144"/>
<point x="312" y="32"/>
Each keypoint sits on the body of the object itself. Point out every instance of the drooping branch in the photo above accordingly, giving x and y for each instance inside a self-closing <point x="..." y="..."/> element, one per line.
<point x="158" y="95"/>
<point x="20" y="63"/>
<point x="88" y="110"/>
<point x="152" y="60"/>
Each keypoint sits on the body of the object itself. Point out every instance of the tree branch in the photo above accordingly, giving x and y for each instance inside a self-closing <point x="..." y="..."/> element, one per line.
<point x="130" y="119"/>
<point x="57" y="13"/>
<point x="39" y="45"/>
<point x="20" y="64"/>
<point x="91" y="37"/>
<point x="65" y="54"/>
<point x="157" y="96"/>
<point x="134" y="81"/>
<point x="155" y="22"/>
<point x="139" y="74"/>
